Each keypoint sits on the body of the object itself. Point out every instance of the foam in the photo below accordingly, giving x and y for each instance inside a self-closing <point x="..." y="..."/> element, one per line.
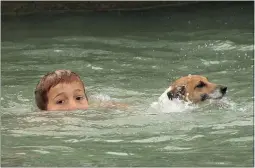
<point x="167" y="106"/>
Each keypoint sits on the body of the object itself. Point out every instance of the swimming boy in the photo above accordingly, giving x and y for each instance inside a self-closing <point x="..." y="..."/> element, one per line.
<point x="62" y="90"/>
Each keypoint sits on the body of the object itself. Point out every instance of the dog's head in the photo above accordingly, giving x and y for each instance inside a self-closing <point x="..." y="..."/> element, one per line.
<point x="195" y="88"/>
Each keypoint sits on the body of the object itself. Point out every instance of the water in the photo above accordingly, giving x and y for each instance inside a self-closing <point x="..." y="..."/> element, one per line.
<point x="130" y="58"/>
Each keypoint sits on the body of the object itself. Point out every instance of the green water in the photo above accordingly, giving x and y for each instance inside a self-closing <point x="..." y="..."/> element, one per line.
<point x="130" y="58"/>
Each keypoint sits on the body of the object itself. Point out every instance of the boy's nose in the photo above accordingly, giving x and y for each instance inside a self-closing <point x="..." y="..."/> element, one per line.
<point x="72" y="105"/>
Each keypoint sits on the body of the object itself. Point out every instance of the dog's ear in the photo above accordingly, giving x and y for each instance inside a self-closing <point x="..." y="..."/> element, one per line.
<point x="177" y="92"/>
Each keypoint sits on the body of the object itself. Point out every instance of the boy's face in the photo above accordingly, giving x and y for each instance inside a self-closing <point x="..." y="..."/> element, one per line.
<point x="67" y="96"/>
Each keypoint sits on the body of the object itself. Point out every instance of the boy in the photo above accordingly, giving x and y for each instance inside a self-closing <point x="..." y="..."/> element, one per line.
<point x="62" y="90"/>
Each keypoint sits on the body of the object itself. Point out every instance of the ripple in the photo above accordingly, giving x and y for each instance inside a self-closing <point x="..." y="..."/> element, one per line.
<point x="15" y="46"/>
<point x="94" y="67"/>
<point x="232" y="124"/>
<point x="175" y="148"/>
<point x="158" y="139"/>
<point x="206" y="62"/>
<point x="63" y="148"/>
<point x="114" y="141"/>
<point x="122" y="42"/>
<point x="241" y="139"/>
<point x="223" y="45"/>
<point x="119" y="153"/>
<point x="41" y="151"/>
<point x="246" y="48"/>
<point x="72" y="140"/>
<point x="229" y="45"/>
<point x="227" y="131"/>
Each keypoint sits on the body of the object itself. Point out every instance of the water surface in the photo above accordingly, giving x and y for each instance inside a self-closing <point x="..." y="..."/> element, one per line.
<point x="130" y="58"/>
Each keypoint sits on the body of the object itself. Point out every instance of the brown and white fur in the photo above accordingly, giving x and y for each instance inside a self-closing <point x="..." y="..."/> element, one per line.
<point x="194" y="89"/>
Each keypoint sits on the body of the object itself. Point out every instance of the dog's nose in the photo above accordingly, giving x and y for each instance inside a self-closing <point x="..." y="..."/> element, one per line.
<point x="223" y="89"/>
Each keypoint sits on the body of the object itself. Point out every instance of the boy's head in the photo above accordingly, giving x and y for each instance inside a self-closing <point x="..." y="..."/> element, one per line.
<point x="61" y="90"/>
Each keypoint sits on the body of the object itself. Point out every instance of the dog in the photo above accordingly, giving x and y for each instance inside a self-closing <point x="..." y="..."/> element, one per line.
<point x="194" y="89"/>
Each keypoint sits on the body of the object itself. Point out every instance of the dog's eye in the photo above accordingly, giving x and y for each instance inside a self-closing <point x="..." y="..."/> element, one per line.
<point x="200" y="85"/>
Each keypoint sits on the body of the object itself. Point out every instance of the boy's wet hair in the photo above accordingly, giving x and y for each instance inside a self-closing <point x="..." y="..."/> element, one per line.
<point x="50" y="80"/>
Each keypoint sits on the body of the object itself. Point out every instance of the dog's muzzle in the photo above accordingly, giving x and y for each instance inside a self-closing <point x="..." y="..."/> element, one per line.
<point x="218" y="93"/>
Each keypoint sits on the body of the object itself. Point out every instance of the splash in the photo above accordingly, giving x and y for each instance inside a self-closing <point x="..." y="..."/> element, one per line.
<point x="221" y="45"/>
<point x="101" y="97"/>
<point x="170" y="106"/>
<point x="165" y="105"/>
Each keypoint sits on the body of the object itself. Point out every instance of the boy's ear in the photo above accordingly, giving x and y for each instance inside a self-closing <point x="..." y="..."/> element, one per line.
<point x="177" y="92"/>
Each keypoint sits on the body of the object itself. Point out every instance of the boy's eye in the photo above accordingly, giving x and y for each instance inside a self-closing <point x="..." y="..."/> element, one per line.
<point x="60" y="102"/>
<point x="79" y="98"/>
